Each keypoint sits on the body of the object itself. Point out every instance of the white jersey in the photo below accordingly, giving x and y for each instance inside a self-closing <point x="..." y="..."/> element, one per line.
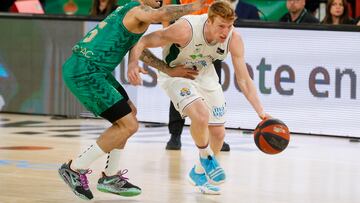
<point x="197" y="53"/>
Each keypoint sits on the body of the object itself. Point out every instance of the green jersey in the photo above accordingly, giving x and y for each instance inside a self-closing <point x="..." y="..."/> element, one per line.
<point x="109" y="41"/>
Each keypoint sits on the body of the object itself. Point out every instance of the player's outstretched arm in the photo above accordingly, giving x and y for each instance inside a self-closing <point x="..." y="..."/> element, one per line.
<point x="179" y="71"/>
<point x="168" y="12"/>
<point x="243" y="78"/>
<point x="179" y="33"/>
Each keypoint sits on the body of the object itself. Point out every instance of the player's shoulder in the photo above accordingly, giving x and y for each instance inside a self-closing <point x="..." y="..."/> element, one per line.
<point x="236" y="35"/>
<point x="184" y="29"/>
<point x="135" y="7"/>
<point x="194" y="21"/>
<point x="129" y="6"/>
<point x="180" y="31"/>
<point x="235" y="42"/>
<point x="194" y="17"/>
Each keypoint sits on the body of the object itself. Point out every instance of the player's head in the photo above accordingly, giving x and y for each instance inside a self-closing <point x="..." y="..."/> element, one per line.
<point x="221" y="19"/>
<point x="152" y="3"/>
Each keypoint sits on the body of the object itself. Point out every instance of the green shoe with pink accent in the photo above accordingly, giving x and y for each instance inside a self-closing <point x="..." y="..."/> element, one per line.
<point x="118" y="184"/>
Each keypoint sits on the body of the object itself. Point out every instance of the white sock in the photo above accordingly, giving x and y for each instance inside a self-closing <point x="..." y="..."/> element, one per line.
<point x="112" y="163"/>
<point x="205" y="152"/>
<point x="84" y="160"/>
<point x="198" y="167"/>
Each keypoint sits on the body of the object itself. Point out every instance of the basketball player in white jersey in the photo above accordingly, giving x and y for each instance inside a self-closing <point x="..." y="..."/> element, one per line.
<point x="197" y="41"/>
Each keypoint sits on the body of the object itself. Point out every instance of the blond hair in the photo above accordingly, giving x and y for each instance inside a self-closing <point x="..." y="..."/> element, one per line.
<point x="222" y="9"/>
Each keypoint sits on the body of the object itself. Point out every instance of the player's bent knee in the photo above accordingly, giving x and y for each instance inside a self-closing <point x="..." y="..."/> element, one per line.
<point x="131" y="126"/>
<point x="128" y="125"/>
<point x="200" y="121"/>
<point x="201" y="117"/>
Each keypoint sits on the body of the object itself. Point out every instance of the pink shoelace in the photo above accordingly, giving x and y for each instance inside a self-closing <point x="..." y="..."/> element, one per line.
<point x="121" y="174"/>
<point x="83" y="179"/>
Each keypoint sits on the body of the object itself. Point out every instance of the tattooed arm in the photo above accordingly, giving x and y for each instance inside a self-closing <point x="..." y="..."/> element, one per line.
<point x="178" y="33"/>
<point x="178" y="71"/>
<point x="153" y="61"/>
<point x="167" y="13"/>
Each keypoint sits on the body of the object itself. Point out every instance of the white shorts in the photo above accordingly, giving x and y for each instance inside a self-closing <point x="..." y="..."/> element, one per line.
<point x="183" y="92"/>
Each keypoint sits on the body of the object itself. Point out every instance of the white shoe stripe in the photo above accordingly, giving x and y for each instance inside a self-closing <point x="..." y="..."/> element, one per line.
<point x="215" y="173"/>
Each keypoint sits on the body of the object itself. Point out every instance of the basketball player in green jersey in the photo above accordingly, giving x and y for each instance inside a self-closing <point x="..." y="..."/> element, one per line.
<point x="88" y="74"/>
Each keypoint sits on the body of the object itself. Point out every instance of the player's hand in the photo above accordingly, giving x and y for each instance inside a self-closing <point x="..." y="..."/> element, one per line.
<point x="264" y="116"/>
<point x="182" y="71"/>
<point x="133" y="74"/>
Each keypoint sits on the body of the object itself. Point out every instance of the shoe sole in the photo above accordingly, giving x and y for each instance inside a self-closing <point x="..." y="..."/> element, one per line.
<point x="172" y="148"/>
<point x="124" y="194"/>
<point x="74" y="191"/>
<point x="202" y="189"/>
<point x="205" y="191"/>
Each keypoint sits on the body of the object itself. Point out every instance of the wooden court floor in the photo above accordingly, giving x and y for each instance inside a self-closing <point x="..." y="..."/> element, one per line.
<point x="313" y="169"/>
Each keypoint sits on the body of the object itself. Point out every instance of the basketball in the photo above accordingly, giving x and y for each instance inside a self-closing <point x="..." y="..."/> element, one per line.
<point x="271" y="136"/>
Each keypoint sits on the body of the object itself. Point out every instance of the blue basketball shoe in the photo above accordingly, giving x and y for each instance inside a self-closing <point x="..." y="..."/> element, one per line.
<point x="213" y="171"/>
<point x="200" y="181"/>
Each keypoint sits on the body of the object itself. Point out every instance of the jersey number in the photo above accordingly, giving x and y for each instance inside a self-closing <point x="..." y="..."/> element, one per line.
<point x="94" y="32"/>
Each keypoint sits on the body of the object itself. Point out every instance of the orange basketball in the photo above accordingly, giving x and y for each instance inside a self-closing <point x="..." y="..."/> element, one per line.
<point x="271" y="136"/>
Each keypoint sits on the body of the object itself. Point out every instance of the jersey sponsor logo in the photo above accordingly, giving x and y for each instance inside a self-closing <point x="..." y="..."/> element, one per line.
<point x="203" y="63"/>
<point x="211" y="57"/>
<point x="198" y="64"/>
<point x="185" y="91"/>
<point x="197" y="45"/>
<point x="195" y="56"/>
<point x="83" y="50"/>
<point x="218" y="111"/>
<point x="220" y="51"/>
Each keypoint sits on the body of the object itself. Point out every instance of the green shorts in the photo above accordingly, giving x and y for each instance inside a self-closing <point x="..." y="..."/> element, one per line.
<point x="96" y="88"/>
